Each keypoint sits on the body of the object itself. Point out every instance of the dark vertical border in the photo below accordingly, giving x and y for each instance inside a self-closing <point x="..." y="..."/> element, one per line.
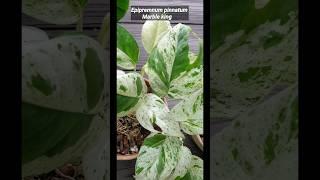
<point x="18" y="126"/>
<point x="19" y="90"/>
<point x="11" y="134"/>
<point x="300" y="91"/>
<point x="206" y="89"/>
<point x="113" y="92"/>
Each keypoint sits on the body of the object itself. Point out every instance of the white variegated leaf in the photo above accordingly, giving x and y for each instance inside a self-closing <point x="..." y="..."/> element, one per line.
<point x="124" y="61"/>
<point x="158" y="157"/>
<point x="96" y="161"/>
<point x="152" y="32"/>
<point x="249" y="67"/>
<point x="130" y="89"/>
<point x="67" y="73"/>
<point x="32" y="35"/>
<point x="131" y="85"/>
<point x="54" y="11"/>
<point x="151" y="111"/>
<point x="120" y="73"/>
<point x="189" y="113"/>
<point x="261" y="143"/>
<point x="169" y="59"/>
<point x="195" y="171"/>
<point x="186" y="84"/>
<point x="184" y="163"/>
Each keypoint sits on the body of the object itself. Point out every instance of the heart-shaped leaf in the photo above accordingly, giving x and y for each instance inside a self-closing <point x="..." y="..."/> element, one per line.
<point x="32" y="35"/>
<point x="63" y="92"/>
<point x="67" y="73"/>
<point x="189" y="113"/>
<point x="122" y="7"/>
<point x="169" y="59"/>
<point x="54" y="11"/>
<point x="158" y="157"/>
<point x="130" y="89"/>
<point x="127" y="49"/>
<point x="153" y="111"/>
<point x="152" y="32"/>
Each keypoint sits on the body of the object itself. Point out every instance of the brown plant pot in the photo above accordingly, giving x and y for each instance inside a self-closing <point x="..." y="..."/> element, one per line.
<point x="198" y="140"/>
<point x="128" y="157"/>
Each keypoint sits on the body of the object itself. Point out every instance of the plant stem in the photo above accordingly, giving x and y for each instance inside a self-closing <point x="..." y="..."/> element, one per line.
<point x="142" y="71"/>
<point x="80" y="23"/>
<point x="103" y="36"/>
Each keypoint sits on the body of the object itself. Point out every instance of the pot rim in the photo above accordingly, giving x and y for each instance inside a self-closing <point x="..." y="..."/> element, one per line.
<point x="122" y="157"/>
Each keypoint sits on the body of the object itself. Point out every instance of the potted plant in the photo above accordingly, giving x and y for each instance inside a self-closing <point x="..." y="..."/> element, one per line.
<point x="172" y="71"/>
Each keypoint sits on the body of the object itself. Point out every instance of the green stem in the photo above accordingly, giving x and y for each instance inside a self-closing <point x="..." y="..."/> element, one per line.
<point x="142" y="71"/>
<point x="103" y="36"/>
<point x="80" y="23"/>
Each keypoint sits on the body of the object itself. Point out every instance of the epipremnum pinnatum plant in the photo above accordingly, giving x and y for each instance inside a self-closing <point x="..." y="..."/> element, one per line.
<point x="64" y="93"/>
<point x="254" y="53"/>
<point x="174" y="72"/>
<point x="254" y="58"/>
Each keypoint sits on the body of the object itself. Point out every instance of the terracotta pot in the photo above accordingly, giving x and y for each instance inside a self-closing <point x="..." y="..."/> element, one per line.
<point x="198" y="140"/>
<point x="127" y="157"/>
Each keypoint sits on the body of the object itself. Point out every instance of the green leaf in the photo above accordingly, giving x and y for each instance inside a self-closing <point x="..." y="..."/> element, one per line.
<point x="189" y="113"/>
<point x="127" y="49"/>
<point x="130" y="89"/>
<point x="195" y="171"/>
<point x="196" y="61"/>
<point x="169" y="59"/>
<point x="261" y="142"/>
<point x="51" y="138"/>
<point x="122" y="7"/>
<point x="67" y="73"/>
<point x="152" y="32"/>
<point x="153" y="111"/>
<point x="51" y="127"/>
<point x="231" y="16"/>
<point x="158" y="159"/>
<point x="249" y="68"/>
<point x="54" y="11"/>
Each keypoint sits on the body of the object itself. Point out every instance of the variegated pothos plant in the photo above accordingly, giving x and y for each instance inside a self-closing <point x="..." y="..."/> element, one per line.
<point x="254" y="68"/>
<point x="173" y="72"/>
<point x="64" y="92"/>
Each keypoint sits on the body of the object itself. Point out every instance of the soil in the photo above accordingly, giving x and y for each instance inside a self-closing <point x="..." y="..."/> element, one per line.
<point x="130" y="135"/>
